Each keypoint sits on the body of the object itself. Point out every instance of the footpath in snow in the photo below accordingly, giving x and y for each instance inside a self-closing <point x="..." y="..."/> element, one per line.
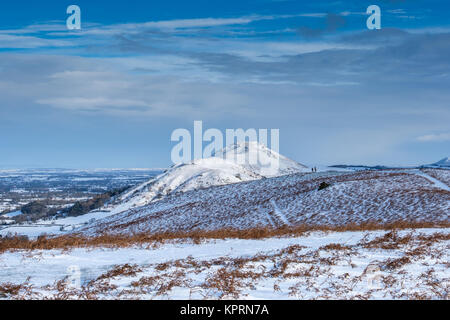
<point x="436" y="182"/>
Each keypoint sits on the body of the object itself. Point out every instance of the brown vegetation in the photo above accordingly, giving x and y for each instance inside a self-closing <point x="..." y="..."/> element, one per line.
<point x="121" y="270"/>
<point x="67" y="242"/>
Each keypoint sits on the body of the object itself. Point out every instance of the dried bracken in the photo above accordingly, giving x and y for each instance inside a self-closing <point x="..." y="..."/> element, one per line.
<point x="68" y="242"/>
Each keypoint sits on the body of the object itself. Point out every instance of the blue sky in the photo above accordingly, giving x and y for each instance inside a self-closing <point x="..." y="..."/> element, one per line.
<point x="111" y="94"/>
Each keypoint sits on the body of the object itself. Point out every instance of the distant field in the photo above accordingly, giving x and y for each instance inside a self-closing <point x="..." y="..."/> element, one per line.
<point x="64" y="187"/>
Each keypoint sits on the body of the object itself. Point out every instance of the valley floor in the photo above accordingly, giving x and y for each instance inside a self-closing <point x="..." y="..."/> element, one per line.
<point x="407" y="264"/>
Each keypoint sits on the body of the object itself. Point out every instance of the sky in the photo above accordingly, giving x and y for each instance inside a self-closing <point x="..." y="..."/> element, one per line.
<point x="110" y="95"/>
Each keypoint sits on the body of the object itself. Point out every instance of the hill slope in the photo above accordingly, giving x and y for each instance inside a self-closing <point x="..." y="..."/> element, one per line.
<point x="352" y="198"/>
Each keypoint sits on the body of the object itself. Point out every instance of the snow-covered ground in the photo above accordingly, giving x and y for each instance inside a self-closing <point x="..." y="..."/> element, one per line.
<point x="6" y="218"/>
<point x="346" y="265"/>
<point x="13" y="214"/>
<point x="53" y="227"/>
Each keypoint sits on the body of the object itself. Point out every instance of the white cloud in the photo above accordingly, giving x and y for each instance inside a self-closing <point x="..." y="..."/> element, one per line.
<point x="58" y="28"/>
<point x="167" y="25"/>
<point x="397" y="11"/>
<point x="95" y="104"/>
<point x="434" y="137"/>
<point x="28" y="42"/>
<point x="209" y="22"/>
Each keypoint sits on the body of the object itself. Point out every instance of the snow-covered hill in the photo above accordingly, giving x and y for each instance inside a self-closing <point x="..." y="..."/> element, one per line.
<point x="293" y="200"/>
<point x="239" y="162"/>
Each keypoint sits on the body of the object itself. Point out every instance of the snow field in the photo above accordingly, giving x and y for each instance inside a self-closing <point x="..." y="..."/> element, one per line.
<point x="340" y="265"/>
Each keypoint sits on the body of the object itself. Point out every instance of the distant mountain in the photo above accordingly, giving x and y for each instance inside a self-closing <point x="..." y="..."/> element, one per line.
<point x="229" y="165"/>
<point x="442" y="163"/>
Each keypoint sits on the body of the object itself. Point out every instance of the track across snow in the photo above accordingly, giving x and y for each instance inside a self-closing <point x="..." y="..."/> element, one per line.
<point x="269" y="218"/>
<point x="437" y="183"/>
<point x="279" y="214"/>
